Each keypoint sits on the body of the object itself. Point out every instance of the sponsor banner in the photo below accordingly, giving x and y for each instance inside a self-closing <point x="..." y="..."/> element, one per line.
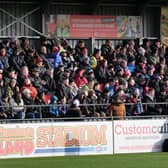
<point x="85" y="26"/>
<point x="133" y="136"/>
<point x="164" y="25"/>
<point x="55" y="139"/>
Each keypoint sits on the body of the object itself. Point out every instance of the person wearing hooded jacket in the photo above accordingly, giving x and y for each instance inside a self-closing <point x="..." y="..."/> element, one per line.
<point x="79" y="78"/>
<point x="57" y="57"/>
<point x="28" y="86"/>
<point x="53" y="107"/>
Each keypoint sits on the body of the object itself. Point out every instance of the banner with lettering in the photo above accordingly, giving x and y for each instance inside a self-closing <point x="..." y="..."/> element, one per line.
<point x="85" y="26"/>
<point x="55" y="139"/>
<point x="135" y="136"/>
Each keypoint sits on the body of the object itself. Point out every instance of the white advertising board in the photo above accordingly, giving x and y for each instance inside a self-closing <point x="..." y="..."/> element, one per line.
<point x="134" y="136"/>
<point x="55" y="139"/>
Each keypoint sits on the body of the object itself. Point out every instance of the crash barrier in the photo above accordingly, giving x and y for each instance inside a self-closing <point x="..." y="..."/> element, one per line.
<point x="42" y="111"/>
<point x="39" y="138"/>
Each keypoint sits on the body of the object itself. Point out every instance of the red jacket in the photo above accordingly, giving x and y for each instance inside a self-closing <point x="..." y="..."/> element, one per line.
<point x="33" y="90"/>
<point x="79" y="79"/>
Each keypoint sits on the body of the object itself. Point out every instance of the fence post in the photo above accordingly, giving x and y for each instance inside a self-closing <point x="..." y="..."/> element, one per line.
<point x="113" y="134"/>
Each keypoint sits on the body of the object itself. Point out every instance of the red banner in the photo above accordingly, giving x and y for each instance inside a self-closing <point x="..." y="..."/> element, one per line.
<point x="85" y="26"/>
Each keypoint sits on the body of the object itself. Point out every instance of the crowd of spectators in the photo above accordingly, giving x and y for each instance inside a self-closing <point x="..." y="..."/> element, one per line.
<point x="58" y="75"/>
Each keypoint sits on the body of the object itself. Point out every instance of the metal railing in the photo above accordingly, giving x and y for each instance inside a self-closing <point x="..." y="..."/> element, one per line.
<point x="162" y="106"/>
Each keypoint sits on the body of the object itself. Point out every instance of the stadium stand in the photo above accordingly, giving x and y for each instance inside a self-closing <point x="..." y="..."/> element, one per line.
<point x="95" y="83"/>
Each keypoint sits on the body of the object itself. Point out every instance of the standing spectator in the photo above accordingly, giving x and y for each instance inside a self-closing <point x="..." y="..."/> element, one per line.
<point x="117" y="108"/>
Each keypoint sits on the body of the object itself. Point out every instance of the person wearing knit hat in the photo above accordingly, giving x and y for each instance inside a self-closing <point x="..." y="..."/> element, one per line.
<point x="74" y="110"/>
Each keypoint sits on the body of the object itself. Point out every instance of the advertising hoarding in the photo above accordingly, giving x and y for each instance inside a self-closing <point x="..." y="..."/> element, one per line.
<point x="55" y="139"/>
<point x="86" y="26"/>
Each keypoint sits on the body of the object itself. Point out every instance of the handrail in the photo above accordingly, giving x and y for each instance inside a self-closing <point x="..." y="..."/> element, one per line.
<point x="42" y="108"/>
<point x="126" y="104"/>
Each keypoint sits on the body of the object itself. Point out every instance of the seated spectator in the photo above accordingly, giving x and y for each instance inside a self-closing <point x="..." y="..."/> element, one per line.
<point x="17" y="105"/>
<point x="28" y="86"/>
<point x="37" y="81"/>
<point x="62" y="107"/>
<point x="91" y="101"/>
<point x="57" y="57"/>
<point x="136" y="108"/>
<point x="41" y="103"/>
<point x="103" y="103"/>
<point x="151" y="108"/>
<point x="79" y="78"/>
<point x="74" y="110"/>
<point x="4" y="61"/>
<point x="17" y="59"/>
<point x="24" y="74"/>
<point x="2" y="88"/>
<point x="6" y="112"/>
<point x="12" y="88"/>
<point x="49" y="84"/>
<point x="29" y="103"/>
<point x="54" y="107"/>
<point x="101" y="72"/>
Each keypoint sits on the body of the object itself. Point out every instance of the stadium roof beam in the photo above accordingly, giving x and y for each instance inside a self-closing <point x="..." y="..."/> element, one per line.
<point x="141" y="6"/>
<point x="18" y="2"/>
<point x="90" y="7"/>
<point x="20" y="20"/>
<point x="45" y="6"/>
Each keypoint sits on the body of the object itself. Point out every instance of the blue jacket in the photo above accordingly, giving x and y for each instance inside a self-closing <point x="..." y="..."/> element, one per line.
<point x="53" y="107"/>
<point x="57" y="60"/>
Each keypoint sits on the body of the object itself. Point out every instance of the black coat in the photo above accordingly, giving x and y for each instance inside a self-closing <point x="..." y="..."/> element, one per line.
<point x="74" y="112"/>
<point x="151" y="109"/>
